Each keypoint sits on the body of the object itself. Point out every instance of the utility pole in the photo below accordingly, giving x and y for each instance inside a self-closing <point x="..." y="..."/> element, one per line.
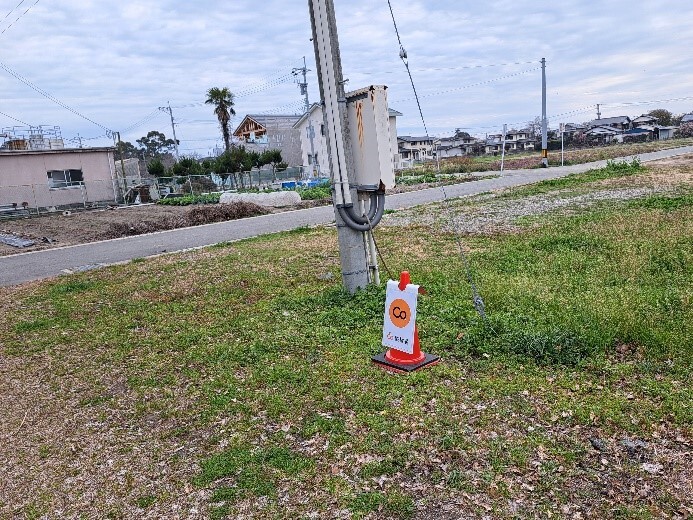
<point x="599" y="114"/>
<point x="311" y="131"/>
<point x="122" y="164"/>
<point x="505" y="133"/>
<point x="544" y="146"/>
<point x="173" y="127"/>
<point x="352" y="246"/>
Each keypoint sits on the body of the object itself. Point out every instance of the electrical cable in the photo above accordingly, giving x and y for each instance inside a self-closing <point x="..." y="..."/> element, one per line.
<point x="14" y="118"/>
<point x="403" y="57"/>
<point x="12" y="10"/>
<point x="485" y="82"/>
<point x="461" y="67"/>
<point x="478" y="302"/>
<point x="28" y="9"/>
<point x="45" y="94"/>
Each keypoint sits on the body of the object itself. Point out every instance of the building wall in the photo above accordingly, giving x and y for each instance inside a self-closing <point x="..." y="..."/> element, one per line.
<point x="320" y="142"/>
<point x="23" y="177"/>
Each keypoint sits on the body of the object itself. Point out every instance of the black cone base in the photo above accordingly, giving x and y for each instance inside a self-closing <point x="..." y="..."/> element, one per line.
<point x="386" y="364"/>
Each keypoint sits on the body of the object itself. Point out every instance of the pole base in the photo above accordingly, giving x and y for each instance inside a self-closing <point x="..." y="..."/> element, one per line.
<point x="381" y="361"/>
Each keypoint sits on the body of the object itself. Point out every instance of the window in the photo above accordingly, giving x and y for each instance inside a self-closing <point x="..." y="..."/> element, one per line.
<point x="310" y="159"/>
<point x="64" y="178"/>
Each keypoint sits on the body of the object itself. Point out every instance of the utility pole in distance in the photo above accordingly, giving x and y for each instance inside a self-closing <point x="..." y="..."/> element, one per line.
<point x="599" y="114"/>
<point x="544" y="146"/>
<point x="311" y="130"/>
<point x="352" y="247"/>
<point x="173" y="127"/>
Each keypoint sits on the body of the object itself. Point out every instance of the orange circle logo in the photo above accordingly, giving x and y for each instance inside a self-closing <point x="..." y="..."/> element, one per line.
<point x="400" y="313"/>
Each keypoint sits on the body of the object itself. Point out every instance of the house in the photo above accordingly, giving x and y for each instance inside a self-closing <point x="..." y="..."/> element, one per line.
<point x="644" y="120"/>
<point x="316" y="161"/>
<point x="412" y="149"/>
<point x="620" y="123"/>
<point x="604" y="134"/>
<point x="494" y="144"/>
<point x="687" y="118"/>
<point x="258" y="132"/>
<point x="50" y="178"/>
<point x="515" y="141"/>
<point x="457" y="146"/>
<point x="518" y="141"/>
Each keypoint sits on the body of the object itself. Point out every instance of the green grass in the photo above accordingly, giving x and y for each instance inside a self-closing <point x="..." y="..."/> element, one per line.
<point x="263" y="365"/>
<point x="613" y="169"/>
<point x="187" y="200"/>
<point x="321" y="191"/>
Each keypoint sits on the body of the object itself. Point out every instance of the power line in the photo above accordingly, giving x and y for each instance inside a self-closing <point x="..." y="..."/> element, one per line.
<point x="45" y="94"/>
<point x="11" y="11"/>
<point x="403" y="57"/>
<point x="14" y="118"/>
<point x="471" y="85"/>
<point x="461" y="67"/>
<point x="152" y="115"/>
<point x="28" y="9"/>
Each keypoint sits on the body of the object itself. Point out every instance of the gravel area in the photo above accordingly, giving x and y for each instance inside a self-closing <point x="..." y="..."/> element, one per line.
<point x="491" y="213"/>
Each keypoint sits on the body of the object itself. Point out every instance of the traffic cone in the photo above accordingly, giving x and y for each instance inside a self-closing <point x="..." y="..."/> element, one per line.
<point x="403" y="362"/>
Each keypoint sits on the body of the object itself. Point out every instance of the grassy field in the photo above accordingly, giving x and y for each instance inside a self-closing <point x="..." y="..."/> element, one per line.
<point x="235" y="381"/>
<point x="490" y="163"/>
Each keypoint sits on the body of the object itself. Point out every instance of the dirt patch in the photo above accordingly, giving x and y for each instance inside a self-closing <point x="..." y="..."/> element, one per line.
<point x="81" y="227"/>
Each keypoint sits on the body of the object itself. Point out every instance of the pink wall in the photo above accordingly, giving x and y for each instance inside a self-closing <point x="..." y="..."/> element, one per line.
<point x="23" y="177"/>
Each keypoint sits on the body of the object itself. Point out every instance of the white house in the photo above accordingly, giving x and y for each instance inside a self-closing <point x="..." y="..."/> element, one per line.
<point x="413" y="148"/>
<point x="316" y="161"/>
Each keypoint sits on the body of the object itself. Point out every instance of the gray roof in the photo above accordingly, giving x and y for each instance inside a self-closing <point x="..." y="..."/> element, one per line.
<point x="644" y="119"/>
<point x="620" y="120"/>
<point x="394" y="113"/>
<point x="688" y="118"/>
<point x="409" y="139"/>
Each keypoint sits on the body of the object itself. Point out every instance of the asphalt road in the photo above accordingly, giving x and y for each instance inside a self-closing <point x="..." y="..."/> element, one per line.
<point x="24" y="267"/>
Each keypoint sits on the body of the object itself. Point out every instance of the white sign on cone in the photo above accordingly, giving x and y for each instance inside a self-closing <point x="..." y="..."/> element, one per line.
<point x="400" y="317"/>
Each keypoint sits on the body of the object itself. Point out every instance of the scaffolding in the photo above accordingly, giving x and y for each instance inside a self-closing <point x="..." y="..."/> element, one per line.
<point x="30" y="138"/>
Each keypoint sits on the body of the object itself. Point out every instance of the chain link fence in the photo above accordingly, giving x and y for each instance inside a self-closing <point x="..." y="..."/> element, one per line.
<point x="36" y="199"/>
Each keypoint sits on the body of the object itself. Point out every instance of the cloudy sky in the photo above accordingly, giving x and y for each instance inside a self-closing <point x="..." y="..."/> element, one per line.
<point x="476" y="65"/>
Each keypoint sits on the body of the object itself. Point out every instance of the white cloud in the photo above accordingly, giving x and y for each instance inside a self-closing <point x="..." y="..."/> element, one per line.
<point x="117" y="62"/>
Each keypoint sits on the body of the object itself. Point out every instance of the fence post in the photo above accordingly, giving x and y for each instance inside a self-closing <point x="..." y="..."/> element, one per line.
<point x="33" y="190"/>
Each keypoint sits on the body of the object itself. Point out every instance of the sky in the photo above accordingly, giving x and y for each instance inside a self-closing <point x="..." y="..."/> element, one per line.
<point x="95" y="67"/>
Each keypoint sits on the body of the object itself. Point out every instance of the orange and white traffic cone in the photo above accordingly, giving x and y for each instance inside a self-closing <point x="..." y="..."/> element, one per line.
<point x="403" y="362"/>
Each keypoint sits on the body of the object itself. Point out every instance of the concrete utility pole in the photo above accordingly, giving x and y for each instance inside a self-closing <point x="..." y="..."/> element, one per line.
<point x="173" y="127"/>
<point x="352" y="247"/>
<point x="599" y="114"/>
<point x="505" y="134"/>
<point x="544" y="145"/>
<point x="311" y="130"/>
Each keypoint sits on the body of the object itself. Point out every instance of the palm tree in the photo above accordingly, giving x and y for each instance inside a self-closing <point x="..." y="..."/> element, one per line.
<point x="222" y="99"/>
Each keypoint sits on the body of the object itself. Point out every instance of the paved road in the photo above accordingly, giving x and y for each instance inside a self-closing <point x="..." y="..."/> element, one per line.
<point x="24" y="267"/>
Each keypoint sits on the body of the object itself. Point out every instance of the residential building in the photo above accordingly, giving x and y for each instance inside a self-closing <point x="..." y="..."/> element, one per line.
<point x="317" y="162"/>
<point x="458" y="145"/>
<point x="58" y="177"/>
<point x="620" y="123"/>
<point x="644" y="120"/>
<point x="415" y="149"/>
<point x="258" y="132"/>
<point x="604" y="134"/>
<point x="687" y="118"/>
<point x="515" y="141"/>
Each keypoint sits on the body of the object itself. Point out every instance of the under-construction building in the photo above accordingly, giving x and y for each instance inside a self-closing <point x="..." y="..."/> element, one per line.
<point x="32" y="138"/>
